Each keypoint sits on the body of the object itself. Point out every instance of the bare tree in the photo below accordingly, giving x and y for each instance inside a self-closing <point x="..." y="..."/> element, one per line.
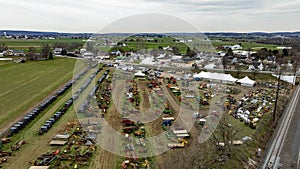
<point x="31" y="54"/>
<point x="219" y="149"/>
<point x="46" y="51"/>
<point x="3" y="47"/>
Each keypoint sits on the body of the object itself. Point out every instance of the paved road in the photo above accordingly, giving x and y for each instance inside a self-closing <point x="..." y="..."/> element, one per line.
<point x="285" y="146"/>
<point x="289" y="156"/>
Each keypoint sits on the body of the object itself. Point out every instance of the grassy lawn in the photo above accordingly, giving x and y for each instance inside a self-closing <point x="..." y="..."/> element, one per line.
<point x="24" y="85"/>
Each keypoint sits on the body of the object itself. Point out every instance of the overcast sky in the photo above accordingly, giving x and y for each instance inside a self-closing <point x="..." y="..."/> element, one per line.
<point x="205" y="15"/>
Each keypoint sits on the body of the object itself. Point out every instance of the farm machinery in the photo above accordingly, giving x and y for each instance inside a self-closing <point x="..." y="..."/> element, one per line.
<point x="143" y="163"/>
<point x="129" y="126"/>
<point x="167" y="109"/>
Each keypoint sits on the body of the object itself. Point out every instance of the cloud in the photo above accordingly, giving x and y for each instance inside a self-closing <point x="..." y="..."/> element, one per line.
<point x="92" y="15"/>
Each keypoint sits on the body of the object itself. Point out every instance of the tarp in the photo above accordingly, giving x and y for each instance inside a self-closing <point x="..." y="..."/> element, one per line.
<point x="246" y="81"/>
<point x="215" y="76"/>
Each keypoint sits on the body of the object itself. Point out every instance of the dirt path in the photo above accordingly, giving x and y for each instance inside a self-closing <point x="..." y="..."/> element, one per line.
<point x="145" y="104"/>
<point x="104" y="159"/>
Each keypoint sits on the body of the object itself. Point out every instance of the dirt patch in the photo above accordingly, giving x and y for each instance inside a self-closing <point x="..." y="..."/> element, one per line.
<point x="145" y="104"/>
<point x="103" y="159"/>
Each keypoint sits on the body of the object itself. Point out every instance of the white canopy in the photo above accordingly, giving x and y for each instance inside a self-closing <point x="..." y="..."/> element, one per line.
<point x="139" y="74"/>
<point x="216" y="76"/>
<point x="246" y="81"/>
<point x="289" y="79"/>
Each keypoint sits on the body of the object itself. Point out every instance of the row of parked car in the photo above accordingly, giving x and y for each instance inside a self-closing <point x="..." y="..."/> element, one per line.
<point x="30" y="116"/>
<point x="36" y="111"/>
<point x="49" y="123"/>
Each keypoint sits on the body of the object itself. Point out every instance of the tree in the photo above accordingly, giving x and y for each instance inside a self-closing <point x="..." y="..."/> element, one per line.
<point x="60" y="45"/>
<point x="176" y="51"/>
<point x="51" y="55"/>
<point x="225" y="61"/>
<point x="46" y="50"/>
<point x="285" y="52"/>
<point x="3" y="47"/>
<point x="64" y="52"/>
<point x="190" y="53"/>
<point x="238" y="68"/>
<point x="75" y="45"/>
<point x="229" y="52"/>
<point x="219" y="150"/>
<point x="31" y="53"/>
<point x="195" y="66"/>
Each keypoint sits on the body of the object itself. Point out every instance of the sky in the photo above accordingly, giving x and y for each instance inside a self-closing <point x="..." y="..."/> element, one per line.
<point x="98" y="15"/>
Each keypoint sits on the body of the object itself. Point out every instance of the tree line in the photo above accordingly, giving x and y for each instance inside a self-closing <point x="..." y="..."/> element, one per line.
<point x="45" y="51"/>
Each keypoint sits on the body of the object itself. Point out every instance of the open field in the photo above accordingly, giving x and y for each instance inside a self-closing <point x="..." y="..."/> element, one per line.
<point x="24" y="85"/>
<point x="246" y="45"/>
<point x="24" y="44"/>
<point x="136" y="46"/>
<point x="33" y="149"/>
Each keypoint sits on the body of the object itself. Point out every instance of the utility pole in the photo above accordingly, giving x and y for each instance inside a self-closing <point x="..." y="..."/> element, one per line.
<point x="277" y="93"/>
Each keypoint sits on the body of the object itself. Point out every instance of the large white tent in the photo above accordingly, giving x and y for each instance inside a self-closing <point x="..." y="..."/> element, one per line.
<point x="246" y="81"/>
<point x="216" y="76"/>
<point x="289" y="79"/>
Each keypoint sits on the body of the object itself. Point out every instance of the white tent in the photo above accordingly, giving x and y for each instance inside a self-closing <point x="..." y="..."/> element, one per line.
<point x="216" y="76"/>
<point x="289" y="79"/>
<point x="139" y="74"/>
<point x="246" y="81"/>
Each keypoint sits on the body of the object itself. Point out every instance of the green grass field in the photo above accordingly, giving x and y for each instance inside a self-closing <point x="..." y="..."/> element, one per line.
<point x="246" y="45"/>
<point x="25" y="44"/>
<point x="24" y="85"/>
<point x="136" y="46"/>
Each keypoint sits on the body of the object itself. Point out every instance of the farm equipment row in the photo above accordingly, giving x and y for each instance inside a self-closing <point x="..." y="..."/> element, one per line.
<point x="49" y="123"/>
<point x="36" y="111"/>
<point x="77" y="151"/>
<point x="84" y="106"/>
